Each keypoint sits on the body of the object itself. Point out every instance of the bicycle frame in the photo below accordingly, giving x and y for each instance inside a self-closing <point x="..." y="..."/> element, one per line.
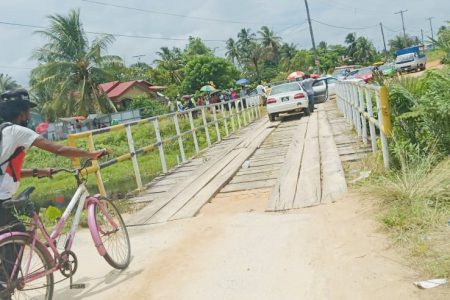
<point x="82" y="198"/>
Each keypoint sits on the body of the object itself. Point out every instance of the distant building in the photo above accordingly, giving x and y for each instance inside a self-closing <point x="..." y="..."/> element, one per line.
<point x="122" y="93"/>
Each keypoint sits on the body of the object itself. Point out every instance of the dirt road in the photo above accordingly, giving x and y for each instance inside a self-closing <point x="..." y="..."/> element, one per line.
<point x="234" y="250"/>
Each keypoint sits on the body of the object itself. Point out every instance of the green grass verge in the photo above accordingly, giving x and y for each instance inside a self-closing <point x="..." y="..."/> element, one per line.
<point x="119" y="178"/>
<point x="414" y="208"/>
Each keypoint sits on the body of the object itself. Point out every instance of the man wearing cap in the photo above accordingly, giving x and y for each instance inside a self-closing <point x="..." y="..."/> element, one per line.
<point x="15" y="140"/>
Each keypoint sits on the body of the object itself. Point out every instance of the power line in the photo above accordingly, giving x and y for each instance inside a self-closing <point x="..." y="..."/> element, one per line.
<point x="114" y="34"/>
<point x="342" y="27"/>
<point x="171" y="14"/>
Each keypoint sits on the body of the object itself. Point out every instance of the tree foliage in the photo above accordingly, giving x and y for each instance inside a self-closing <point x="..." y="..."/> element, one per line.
<point x="7" y="83"/>
<point x="202" y="69"/>
<point x="71" y="68"/>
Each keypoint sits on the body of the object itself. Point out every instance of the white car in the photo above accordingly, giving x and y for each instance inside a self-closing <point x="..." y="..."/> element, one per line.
<point x="287" y="98"/>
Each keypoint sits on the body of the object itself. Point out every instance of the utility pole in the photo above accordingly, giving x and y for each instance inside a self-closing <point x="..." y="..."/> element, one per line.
<point x="431" y="27"/>
<point x="403" y="22"/>
<point x="384" y="41"/>
<point x="312" y="34"/>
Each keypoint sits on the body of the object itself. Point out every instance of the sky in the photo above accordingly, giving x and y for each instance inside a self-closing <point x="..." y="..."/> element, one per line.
<point x="210" y="20"/>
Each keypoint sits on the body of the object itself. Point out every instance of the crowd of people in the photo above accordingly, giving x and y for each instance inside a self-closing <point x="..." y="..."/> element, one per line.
<point x="183" y="103"/>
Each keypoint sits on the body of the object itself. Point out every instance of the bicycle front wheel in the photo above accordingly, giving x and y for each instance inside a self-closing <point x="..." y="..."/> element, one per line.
<point x="25" y="270"/>
<point x="112" y="233"/>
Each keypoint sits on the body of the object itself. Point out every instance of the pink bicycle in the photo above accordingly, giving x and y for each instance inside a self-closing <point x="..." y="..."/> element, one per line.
<point x="29" y="259"/>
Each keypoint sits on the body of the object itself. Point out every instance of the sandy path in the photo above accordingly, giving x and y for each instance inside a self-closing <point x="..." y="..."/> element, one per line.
<point x="234" y="250"/>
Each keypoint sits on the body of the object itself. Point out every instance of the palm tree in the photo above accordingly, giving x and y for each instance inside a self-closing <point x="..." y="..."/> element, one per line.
<point x="287" y="53"/>
<point x="365" y="51"/>
<point x="443" y="43"/>
<point x="270" y="41"/>
<point x="171" y="61"/>
<point x="7" y="83"/>
<point x="350" y="40"/>
<point x="399" y="42"/>
<point x="232" y="51"/>
<point x="70" y="68"/>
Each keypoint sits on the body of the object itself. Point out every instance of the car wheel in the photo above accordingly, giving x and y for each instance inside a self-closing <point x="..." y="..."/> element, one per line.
<point x="307" y="111"/>
<point x="271" y="117"/>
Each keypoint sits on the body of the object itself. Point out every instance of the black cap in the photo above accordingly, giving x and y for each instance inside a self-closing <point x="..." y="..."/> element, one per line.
<point x="19" y="95"/>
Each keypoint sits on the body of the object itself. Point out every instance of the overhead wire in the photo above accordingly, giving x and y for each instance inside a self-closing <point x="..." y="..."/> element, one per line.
<point x="343" y="27"/>
<point x="114" y="34"/>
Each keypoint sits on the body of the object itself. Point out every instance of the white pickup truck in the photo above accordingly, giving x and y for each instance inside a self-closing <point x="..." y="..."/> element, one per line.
<point x="410" y="59"/>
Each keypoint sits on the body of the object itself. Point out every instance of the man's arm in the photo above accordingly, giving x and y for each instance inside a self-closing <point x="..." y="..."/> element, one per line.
<point x="66" y="151"/>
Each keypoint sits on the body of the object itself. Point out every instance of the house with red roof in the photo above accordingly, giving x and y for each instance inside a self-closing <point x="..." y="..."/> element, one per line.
<point x="122" y="93"/>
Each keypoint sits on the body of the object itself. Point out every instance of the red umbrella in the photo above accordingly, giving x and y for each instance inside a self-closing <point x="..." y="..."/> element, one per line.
<point x="315" y="76"/>
<point x="295" y="75"/>
<point x="42" y="127"/>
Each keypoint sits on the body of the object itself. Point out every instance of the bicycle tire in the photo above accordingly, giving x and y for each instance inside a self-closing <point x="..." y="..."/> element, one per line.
<point x="104" y="235"/>
<point x="46" y="282"/>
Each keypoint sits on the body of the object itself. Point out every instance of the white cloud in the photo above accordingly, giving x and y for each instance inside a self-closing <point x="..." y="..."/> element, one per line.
<point x="17" y="43"/>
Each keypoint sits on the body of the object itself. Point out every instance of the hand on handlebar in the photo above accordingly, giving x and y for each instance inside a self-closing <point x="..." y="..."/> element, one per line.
<point x="99" y="154"/>
<point x="48" y="172"/>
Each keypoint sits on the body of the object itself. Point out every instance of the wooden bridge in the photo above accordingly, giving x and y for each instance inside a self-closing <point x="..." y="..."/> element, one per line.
<point x="298" y="159"/>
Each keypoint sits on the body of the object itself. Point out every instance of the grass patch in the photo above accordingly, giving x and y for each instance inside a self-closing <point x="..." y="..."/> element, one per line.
<point x="415" y="209"/>
<point x="435" y="54"/>
<point x="119" y="179"/>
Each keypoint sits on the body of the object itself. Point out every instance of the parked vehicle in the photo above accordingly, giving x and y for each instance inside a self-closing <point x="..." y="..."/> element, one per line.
<point x="287" y="98"/>
<point x="410" y="59"/>
<point x="388" y="69"/>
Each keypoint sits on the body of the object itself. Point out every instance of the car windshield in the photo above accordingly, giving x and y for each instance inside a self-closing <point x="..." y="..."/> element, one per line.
<point x="386" y="67"/>
<point x="285" y="88"/>
<point x="405" y="57"/>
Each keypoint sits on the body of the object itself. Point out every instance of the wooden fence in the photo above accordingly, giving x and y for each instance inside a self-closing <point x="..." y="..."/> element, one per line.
<point x="234" y="114"/>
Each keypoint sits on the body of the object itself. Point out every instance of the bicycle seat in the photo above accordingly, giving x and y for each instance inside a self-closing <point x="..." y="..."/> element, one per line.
<point x="20" y="200"/>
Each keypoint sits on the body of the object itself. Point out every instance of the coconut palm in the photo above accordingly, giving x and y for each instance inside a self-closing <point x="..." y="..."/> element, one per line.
<point x="365" y="51"/>
<point x="270" y="41"/>
<point x="400" y="41"/>
<point x="287" y="53"/>
<point x="232" y="51"/>
<point x="7" y="83"/>
<point x="172" y="62"/>
<point x="71" y="68"/>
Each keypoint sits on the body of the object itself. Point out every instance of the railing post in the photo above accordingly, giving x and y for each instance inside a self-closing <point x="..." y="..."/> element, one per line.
<point x="180" y="138"/>
<point x="383" y="137"/>
<point x="216" y="123"/>
<point x="243" y="111"/>
<point x="248" y="111"/>
<point x="230" y="112"/>
<point x="137" y="173"/>
<point x="373" y="134"/>
<point x="194" y="134"/>
<point x="205" y="125"/>
<point x="160" y="146"/>
<point x="224" y="118"/>
<point x="98" y="175"/>
<point x="356" y="108"/>
<point x="236" y="106"/>
<point x="362" y="109"/>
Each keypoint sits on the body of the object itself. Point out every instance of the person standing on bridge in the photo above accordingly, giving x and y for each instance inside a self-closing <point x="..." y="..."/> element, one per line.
<point x="307" y="85"/>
